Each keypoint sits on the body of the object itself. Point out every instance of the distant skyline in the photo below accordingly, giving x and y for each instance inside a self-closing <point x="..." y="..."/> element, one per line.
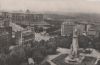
<point x="86" y="6"/>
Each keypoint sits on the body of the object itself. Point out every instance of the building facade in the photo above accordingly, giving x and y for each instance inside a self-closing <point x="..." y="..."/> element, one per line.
<point x="5" y="31"/>
<point x="5" y="36"/>
<point x="24" y="18"/>
<point x="25" y="36"/>
<point x="67" y="27"/>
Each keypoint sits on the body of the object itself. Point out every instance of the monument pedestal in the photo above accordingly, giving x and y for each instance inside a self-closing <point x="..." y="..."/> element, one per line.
<point x="74" y="60"/>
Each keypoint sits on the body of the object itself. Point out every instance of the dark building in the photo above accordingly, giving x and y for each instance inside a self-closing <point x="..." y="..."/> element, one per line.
<point x="4" y="15"/>
<point x="5" y="36"/>
<point x="5" y="33"/>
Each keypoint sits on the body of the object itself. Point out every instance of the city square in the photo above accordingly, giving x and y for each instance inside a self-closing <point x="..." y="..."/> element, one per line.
<point x="49" y="32"/>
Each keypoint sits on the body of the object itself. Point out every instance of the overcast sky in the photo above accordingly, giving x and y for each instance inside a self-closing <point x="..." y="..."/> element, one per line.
<point x="52" y="5"/>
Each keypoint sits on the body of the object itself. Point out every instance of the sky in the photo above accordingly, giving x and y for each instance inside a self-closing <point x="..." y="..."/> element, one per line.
<point x="88" y="6"/>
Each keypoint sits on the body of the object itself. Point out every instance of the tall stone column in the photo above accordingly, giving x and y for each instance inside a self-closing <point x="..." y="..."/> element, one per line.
<point x="74" y="47"/>
<point x="74" y="57"/>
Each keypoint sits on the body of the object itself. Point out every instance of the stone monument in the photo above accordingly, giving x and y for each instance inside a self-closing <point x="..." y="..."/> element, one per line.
<point x="74" y="57"/>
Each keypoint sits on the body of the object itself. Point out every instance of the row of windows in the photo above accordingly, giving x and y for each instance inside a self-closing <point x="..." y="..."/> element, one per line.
<point x="22" y="16"/>
<point x="25" y="19"/>
<point x="34" y="17"/>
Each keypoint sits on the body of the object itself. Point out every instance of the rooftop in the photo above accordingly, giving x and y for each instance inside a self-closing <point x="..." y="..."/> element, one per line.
<point x="16" y="27"/>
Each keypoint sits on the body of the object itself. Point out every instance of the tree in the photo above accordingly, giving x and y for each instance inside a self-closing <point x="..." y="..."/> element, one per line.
<point x="3" y="58"/>
<point x="63" y="42"/>
<point x="83" y="41"/>
<point x="96" y="43"/>
<point x="16" y="56"/>
<point x="37" y="55"/>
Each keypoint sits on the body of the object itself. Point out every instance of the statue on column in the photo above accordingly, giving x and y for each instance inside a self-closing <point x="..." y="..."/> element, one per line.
<point x="74" y="56"/>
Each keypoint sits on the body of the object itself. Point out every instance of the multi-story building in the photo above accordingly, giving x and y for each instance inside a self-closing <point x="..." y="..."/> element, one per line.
<point x="5" y="15"/>
<point x="67" y="27"/>
<point x="25" y="18"/>
<point x="5" y="34"/>
<point x="94" y="30"/>
<point x="25" y="36"/>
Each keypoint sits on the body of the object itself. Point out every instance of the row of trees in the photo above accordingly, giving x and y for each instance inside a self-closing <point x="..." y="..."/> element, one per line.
<point x="84" y="42"/>
<point x="20" y="54"/>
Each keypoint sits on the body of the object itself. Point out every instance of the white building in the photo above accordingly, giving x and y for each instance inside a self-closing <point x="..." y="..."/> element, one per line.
<point x="67" y="27"/>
